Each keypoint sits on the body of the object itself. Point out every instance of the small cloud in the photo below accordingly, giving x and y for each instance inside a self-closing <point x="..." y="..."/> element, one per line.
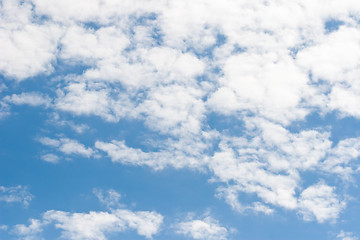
<point x="18" y="194"/>
<point x="346" y="236"/>
<point x="33" y="99"/>
<point x="3" y="227"/>
<point x="204" y="228"/>
<point x="52" y="158"/>
<point x="67" y="146"/>
<point x="110" y="198"/>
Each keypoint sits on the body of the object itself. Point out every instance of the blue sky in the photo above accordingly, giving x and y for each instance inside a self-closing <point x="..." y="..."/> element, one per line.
<point x="198" y="119"/>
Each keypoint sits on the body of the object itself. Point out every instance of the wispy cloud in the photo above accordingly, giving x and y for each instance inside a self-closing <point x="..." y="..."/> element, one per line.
<point x="18" y="194"/>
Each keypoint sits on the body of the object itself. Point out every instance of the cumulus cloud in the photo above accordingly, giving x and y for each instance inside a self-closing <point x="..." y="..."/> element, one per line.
<point x="18" y="194"/>
<point x="205" y="228"/>
<point x="27" y="47"/>
<point x="92" y="225"/>
<point x="172" y="65"/>
<point x="320" y="201"/>
<point x="29" y="232"/>
<point x="270" y="162"/>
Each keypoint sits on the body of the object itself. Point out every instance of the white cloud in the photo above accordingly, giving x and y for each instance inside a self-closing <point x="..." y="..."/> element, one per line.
<point x="52" y="158"/>
<point x="260" y="84"/>
<point x="80" y="100"/>
<point x="92" y="225"/>
<point x="29" y="98"/>
<point x="88" y="45"/>
<point x="346" y="236"/>
<point x="319" y="201"/>
<point x="57" y="120"/>
<point x="18" y="194"/>
<point x="341" y="158"/>
<point x="103" y="12"/>
<point x="205" y="228"/>
<point x="174" y="109"/>
<point x="27" y="47"/>
<point x="66" y="146"/>
<point x="333" y="55"/>
<point x="174" y="80"/>
<point x="181" y="153"/>
<point x="110" y="198"/>
<point x="269" y="163"/>
<point x="30" y="232"/>
<point x="4" y="110"/>
<point x="346" y="100"/>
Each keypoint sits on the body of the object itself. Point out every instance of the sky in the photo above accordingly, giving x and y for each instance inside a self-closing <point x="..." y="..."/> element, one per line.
<point x="192" y="119"/>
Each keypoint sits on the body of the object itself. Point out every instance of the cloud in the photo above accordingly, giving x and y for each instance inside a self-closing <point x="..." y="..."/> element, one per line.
<point x="178" y="153"/>
<point x="205" y="228"/>
<point x="93" y="225"/>
<point x="66" y="146"/>
<point x="269" y="163"/>
<point x="172" y="65"/>
<point x="29" y="98"/>
<point x="3" y="227"/>
<point x="81" y="100"/>
<point x="27" y="47"/>
<point x="57" y="120"/>
<point x="18" y="194"/>
<point x="29" y="232"/>
<point x="259" y="83"/>
<point x="111" y="198"/>
<point x="49" y="157"/>
<point x="346" y="236"/>
<point x="320" y="201"/>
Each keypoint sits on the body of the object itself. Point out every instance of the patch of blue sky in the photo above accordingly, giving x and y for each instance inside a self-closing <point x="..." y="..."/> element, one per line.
<point x="339" y="127"/>
<point x="209" y="51"/>
<point x="231" y="125"/>
<point x="332" y="25"/>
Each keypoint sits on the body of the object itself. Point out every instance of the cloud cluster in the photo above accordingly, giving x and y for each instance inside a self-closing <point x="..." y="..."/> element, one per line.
<point x="173" y="65"/>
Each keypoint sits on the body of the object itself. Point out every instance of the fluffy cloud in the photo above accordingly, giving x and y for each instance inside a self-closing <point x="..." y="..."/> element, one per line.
<point x="18" y="194"/>
<point x="171" y="65"/>
<point x="30" y="232"/>
<point x="320" y="201"/>
<point x="31" y="98"/>
<point x="270" y="163"/>
<point x="177" y="154"/>
<point x="93" y="225"/>
<point x="205" y="228"/>
<point x="27" y="47"/>
<point x="259" y="84"/>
